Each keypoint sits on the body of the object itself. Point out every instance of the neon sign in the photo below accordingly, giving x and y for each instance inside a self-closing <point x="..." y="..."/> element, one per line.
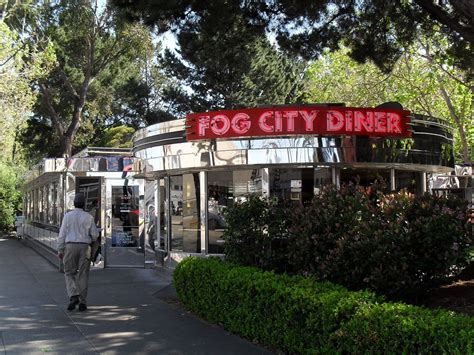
<point x="298" y="120"/>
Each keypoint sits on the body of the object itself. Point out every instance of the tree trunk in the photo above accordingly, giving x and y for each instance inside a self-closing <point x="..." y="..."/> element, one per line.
<point x="66" y="146"/>
<point x="466" y="156"/>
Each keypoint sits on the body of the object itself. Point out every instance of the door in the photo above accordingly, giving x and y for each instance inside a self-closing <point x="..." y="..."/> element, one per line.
<point x="124" y="225"/>
<point x="91" y="187"/>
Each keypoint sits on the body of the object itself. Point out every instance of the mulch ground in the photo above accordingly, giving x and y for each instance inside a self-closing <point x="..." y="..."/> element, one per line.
<point x="457" y="296"/>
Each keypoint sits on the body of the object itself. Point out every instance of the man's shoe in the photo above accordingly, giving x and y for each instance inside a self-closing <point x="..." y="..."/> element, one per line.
<point x="82" y="307"/>
<point x="74" y="300"/>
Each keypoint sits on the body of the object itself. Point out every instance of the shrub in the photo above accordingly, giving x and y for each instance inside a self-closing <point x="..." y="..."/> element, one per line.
<point x="298" y="315"/>
<point x="400" y="328"/>
<point x="398" y="245"/>
<point x="257" y="233"/>
<point x="10" y="197"/>
<point x="334" y="219"/>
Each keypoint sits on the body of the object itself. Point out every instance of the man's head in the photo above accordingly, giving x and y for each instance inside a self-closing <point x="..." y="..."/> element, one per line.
<point x="79" y="200"/>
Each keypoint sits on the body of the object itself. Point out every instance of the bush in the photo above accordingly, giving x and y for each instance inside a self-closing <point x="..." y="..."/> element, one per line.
<point x="10" y="196"/>
<point x="257" y="233"/>
<point x="398" y="245"/>
<point x="298" y="315"/>
<point x="400" y="328"/>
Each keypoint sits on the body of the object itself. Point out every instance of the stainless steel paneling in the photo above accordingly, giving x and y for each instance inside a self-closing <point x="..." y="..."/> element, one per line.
<point x="429" y="149"/>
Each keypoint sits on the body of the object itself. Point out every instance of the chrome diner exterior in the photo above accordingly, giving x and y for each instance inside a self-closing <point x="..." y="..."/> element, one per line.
<point x="196" y="167"/>
<point x="106" y="177"/>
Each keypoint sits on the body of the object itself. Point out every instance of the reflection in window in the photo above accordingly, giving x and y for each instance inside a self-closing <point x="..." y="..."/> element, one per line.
<point x="185" y="217"/>
<point x="409" y="180"/>
<point x="125" y="214"/>
<point x="163" y="216"/>
<point x="41" y="206"/>
<point x="285" y="184"/>
<point x="365" y="177"/>
<point x="322" y="177"/>
<point x="225" y="187"/>
<point x="54" y="204"/>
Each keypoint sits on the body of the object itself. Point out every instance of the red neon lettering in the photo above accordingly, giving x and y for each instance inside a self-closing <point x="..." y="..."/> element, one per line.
<point x="290" y="120"/>
<point x="362" y="121"/>
<point x="225" y="124"/>
<point x="241" y="123"/>
<point x="335" y="121"/>
<point x="393" y="123"/>
<point x="309" y="118"/>
<point x="278" y="121"/>
<point x="380" y="122"/>
<point x="203" y="124"/>
<point x="349" y="121"/>
<point x="332" y="120"/>
<point x="262" y="122"/>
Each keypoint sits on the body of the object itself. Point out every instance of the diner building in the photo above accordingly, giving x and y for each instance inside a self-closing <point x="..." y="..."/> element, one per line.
<point x="194" y="168"/>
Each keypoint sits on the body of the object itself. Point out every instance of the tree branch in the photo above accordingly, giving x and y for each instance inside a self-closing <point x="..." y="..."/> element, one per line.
<point x="13" y="54"/>
<point x="457" y="121"/>
<point x="47" y="99"/>
<point x="451" y="75"/>
<point x="68" y="83"/>
<point x="445" y="18"/>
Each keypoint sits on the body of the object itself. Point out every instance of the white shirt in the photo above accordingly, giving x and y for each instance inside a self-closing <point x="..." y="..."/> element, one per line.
<point x="78" y="226"/>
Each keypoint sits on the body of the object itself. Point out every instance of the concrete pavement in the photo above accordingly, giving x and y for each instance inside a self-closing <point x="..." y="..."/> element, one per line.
<point x="130" y="311"/>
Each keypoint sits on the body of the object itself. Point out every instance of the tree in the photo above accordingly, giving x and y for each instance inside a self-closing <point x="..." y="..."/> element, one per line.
<point x="10" y="195"/>
<point x="214" y="77"/>
<point x="118" y="137"/>
<point x="378" y="30"/>
<point x="94" y="54"/>
<point x="16" y="96"/>
<point x="16" y="102"/>
<point x="139" y="101"/>
<point x="223" y="63"/>
<point x="417" y="82"/>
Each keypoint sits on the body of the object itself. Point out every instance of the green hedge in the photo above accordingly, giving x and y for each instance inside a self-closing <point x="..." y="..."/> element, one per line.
<point x="298" y="315"/>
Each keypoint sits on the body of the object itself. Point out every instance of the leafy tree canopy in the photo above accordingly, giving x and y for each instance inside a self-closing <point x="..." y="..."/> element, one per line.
<point x="378" y="30"/>
<point x="223" y="63"/>
<point x="118" y="137"/>
<point x="95" y="58"/>
<point x="10" y="195"/>
<point x="418" y="82"/>
<point x="16" y="96"/>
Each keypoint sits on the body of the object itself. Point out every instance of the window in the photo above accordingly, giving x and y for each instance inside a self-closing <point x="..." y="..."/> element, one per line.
<point x="185" y="216"/>
<point x="224" y="188"/>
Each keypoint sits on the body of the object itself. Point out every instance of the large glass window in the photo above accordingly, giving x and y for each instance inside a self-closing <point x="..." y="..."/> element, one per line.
<point x="322" y="177"/>
<point x="40" y="205"/>
<point x="34" y="207"/>
<point x="296" y="185"/>
<point x="54" y="204"/>
<point x="225" y="187"/>
<point x="220" y="196"/>
<point x="285" y="184"/>
<point x="409" y="180"/>
<point x="365" y="177"/>
<point x="163" y="218"/>
<point x="185" y="217"/>
<point x="46" y="192"/>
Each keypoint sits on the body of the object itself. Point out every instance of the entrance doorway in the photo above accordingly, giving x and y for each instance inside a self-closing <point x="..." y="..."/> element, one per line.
<point x="124" y="232"/>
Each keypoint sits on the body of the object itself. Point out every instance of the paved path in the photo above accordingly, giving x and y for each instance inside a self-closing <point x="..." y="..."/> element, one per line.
<point x="130" y="311"/>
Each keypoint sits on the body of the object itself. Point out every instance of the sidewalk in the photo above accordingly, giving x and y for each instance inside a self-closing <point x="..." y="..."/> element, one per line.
<point x="130" y="311"/>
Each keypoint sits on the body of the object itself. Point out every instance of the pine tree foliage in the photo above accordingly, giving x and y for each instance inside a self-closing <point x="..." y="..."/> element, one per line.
<point x="376" y="30"/>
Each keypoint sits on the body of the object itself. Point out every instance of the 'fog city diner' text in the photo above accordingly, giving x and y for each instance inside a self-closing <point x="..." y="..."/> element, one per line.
<point x="263" y="122"/>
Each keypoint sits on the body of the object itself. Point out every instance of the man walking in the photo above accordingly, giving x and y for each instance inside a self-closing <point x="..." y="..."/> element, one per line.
<point x="78" y="231"/>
